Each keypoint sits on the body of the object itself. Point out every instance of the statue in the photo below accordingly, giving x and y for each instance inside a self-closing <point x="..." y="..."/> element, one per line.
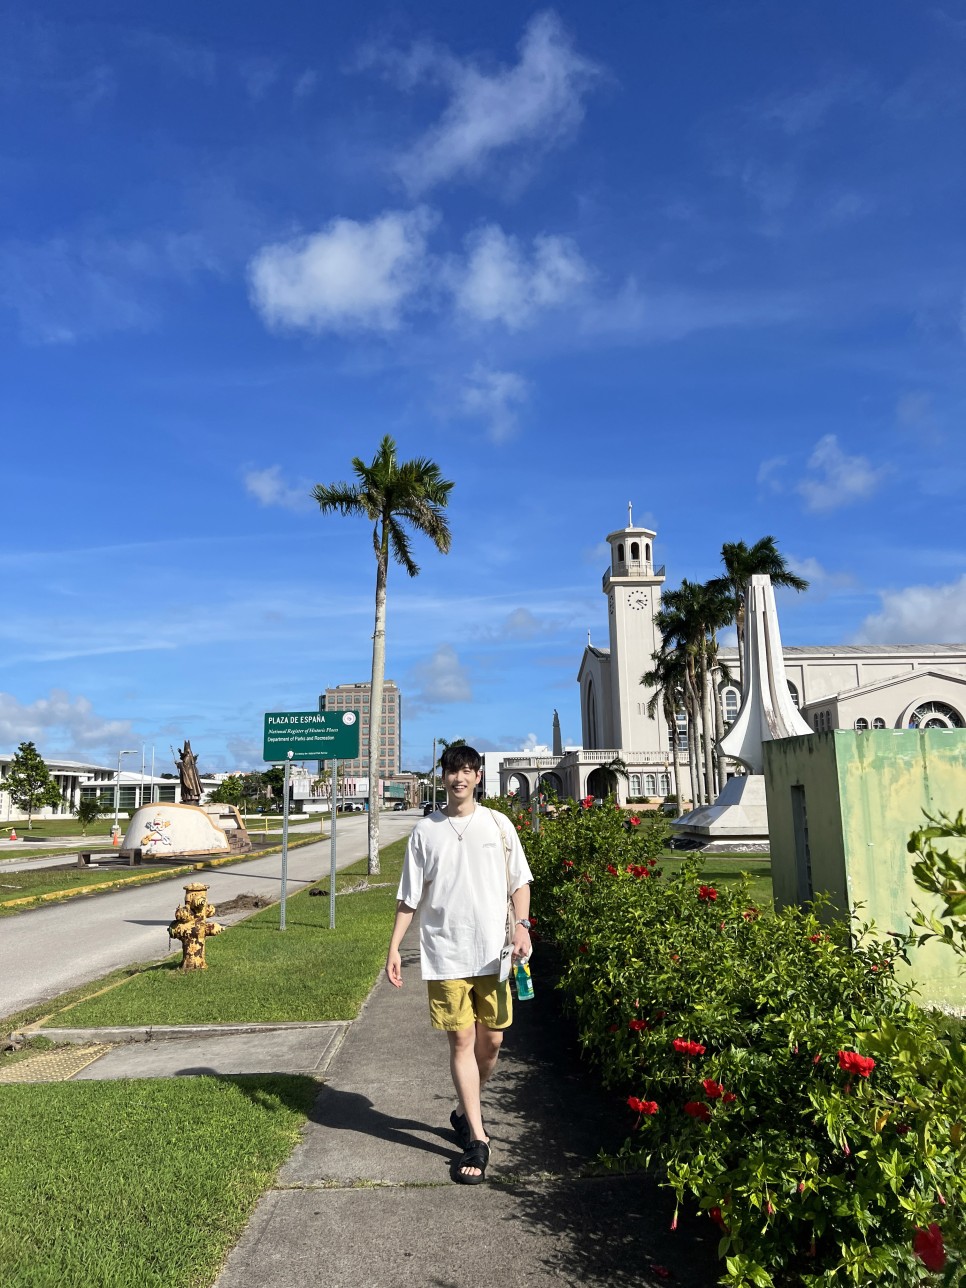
<point x="192" y="927"/>
<point x="188" y="770"/>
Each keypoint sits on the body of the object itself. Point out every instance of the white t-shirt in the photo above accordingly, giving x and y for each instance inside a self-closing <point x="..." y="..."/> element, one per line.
<point x="460" y="889"/>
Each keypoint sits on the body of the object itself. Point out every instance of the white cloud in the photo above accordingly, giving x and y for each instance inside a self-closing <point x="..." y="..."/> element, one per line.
<point x="494" y="397"/>
<point x="837" y="479"/>
<point x="537" y="103"/>
<point x="441" y="679"/>
<point x="59" y="725"/>
<point x="819" y="578"/>
<point x="501" y="283"/>
<point x="769" y="473"/>
<point x="917" y="613"/>
<point x="268" y="488"/>
<point x="350" y="276"/>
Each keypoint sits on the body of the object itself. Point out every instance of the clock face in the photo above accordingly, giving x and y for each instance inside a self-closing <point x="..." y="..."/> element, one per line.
<point x="637" y="600"/>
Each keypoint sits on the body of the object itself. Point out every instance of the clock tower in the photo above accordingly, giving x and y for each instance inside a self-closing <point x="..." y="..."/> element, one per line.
<point x="632" y="585"/>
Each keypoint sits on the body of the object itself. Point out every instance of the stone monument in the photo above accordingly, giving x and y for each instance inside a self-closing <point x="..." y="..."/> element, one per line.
<point x="739" y="815"/>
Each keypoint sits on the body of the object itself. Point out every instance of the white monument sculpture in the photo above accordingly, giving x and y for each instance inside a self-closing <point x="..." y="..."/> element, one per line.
<point x="767" y="712"/>
<point x="174" y="831"/>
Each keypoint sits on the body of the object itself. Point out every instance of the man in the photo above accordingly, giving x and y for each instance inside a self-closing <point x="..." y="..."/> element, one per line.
<point x="462" y="862"/>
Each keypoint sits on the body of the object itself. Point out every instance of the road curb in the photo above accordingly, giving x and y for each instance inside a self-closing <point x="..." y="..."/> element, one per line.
<point x="172" y="1032"/>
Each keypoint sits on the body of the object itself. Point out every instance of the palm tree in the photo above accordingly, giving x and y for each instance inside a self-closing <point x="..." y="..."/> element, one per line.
<point x="743" y="562"/>
<point x="689" y="620"/>
<point x="391" y="495"/>
<point x="668" y="681"/>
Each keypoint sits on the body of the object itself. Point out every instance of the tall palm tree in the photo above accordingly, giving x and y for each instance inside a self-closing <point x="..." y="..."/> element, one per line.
<point x="742" y="562"/>
<point x="667" y="679"/>
<point x="391" y="495"/>
<point x="689" y="620"/>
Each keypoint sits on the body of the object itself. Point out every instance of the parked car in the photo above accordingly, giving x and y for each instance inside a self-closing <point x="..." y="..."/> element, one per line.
<point x="398" y="806"/>
<point x="428" y="808"/>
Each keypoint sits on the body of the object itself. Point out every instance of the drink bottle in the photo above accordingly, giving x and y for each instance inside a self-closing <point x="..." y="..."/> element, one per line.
<point x="524" y="982"/>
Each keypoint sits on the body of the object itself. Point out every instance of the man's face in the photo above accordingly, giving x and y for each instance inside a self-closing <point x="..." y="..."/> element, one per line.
<point x="460" y="784"/>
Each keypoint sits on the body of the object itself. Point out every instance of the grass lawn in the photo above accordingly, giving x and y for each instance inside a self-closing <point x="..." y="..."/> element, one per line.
<point x="257" y="973"/>
<point x="138" y="1184"/>
<point x="721" y="868"/>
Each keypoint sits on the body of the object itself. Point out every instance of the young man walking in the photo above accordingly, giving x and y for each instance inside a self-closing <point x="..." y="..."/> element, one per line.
<point x="463" y="863"/>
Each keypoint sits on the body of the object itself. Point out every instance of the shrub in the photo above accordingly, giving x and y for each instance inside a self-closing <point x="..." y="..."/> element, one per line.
<point x="776" y="1071"/>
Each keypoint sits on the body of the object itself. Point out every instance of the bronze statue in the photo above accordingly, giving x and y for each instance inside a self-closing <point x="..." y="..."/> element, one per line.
<point x="188" y="770"/>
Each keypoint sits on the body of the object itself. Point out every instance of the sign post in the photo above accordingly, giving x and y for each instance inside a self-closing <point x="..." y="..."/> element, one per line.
<point x="311" y="735"/>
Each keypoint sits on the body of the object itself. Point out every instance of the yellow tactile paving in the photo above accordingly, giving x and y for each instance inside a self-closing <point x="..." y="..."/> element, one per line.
<point x="53" y="1066"/>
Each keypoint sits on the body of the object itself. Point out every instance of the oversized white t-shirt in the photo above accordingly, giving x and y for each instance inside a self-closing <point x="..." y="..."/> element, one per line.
<point x="460" y="889"/>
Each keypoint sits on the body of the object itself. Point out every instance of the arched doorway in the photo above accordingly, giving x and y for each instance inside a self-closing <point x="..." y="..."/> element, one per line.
<point x="518" y="787"/>
<point x="551" y="784"/>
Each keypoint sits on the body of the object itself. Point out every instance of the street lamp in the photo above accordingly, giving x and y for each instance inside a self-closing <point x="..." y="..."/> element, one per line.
<point x="117" y="789"/>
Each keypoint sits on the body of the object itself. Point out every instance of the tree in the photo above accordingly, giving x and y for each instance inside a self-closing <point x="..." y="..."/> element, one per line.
<point x="28" y="781"/>
<point x="668" y="680"/>
<point x="441" y="742"/>
<point x="228" y="791"/>
<point x="88" y="809"/>
<point x="743" y="562"/>
<point x="391" y="495"/>
<point x="274" y="780"/>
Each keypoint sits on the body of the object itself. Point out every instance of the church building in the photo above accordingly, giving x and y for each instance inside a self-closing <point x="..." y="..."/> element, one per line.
<point x="847" y="686"/>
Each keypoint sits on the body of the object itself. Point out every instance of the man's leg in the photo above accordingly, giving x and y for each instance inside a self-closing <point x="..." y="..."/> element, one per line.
<point x="467" y="1077"/>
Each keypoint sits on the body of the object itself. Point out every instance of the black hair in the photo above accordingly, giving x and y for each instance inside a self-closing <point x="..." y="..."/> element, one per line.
<point x="461" y="757"/>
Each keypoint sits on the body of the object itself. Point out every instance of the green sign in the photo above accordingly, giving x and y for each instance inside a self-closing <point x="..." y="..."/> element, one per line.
<point x="311" y="735"/>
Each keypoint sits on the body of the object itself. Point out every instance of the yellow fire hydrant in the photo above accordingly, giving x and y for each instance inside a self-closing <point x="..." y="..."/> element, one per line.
<point x="192" y="927"/>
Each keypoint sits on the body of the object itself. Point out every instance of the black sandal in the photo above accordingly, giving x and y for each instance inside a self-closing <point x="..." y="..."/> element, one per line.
<point x="461" y="1129"/>
<point x="476" y="1154"/>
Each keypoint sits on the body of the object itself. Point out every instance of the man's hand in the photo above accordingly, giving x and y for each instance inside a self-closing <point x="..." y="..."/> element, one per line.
<point x="394" y="968"/>
<point x="522" y="947"/>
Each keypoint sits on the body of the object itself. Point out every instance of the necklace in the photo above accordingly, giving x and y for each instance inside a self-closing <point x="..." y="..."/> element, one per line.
<point x="460" y="835"/>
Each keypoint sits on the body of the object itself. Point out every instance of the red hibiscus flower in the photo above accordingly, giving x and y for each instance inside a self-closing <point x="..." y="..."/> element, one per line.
<point x="707" y="893"/>
<point x="647" y="1107"/>
<point x="698" y="1109"/>
<point x="568" y="863"/>
<point x="712" y="1089"/>
<point x="639" y="1026"/>
<point x="728" y="1098"/>
<point x="929" y="1248"/>
<point x="587" y="802"/>
<point x="715" y="1215"/>
<point x="685" y="1047"/>
<point x="582" y="948"/>
<point x="634" y="820"/>
<point x="852" y="1062"/>
<point x="612" y="870"/>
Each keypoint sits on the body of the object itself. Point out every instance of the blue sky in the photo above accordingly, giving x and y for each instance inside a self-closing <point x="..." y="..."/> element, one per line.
<point x="703" y="255"/>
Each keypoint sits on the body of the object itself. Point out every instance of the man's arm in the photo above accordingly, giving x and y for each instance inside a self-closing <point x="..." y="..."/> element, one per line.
<point x="404" y="918"/>
<point x="520" y="899"/>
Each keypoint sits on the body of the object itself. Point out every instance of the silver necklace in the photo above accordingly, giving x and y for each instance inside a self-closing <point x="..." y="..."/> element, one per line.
<point x="460" y="835"/>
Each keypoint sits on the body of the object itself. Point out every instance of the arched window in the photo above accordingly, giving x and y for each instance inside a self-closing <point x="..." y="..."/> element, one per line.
<point x="861" y="725"/>
<point x="816" y="721"/>
<point x="650" y="785"/>
<point x="731" y="701"/>
<point x="664" y="782"/>
<point x="794" y="693"/>
<point x="634" y="785"/>
<point x="936" y="715"/>
<point x="620" y="553"/>
<point x="647" y="551"/>
<point x="635" y="550"/>
<point x="878" y="723"/>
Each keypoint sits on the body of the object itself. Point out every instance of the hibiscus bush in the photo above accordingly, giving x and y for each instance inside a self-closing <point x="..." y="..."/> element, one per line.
<point x="775" y="1071"/>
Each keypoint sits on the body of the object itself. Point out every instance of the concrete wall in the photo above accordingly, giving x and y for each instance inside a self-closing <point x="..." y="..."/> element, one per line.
<point x="864" y="794"/>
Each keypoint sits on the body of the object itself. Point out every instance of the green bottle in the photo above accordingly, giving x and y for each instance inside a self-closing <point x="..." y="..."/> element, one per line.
<point x="524" y="982"/>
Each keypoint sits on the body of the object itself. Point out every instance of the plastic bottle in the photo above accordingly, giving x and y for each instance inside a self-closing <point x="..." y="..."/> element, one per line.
<point x="524" y="981"/>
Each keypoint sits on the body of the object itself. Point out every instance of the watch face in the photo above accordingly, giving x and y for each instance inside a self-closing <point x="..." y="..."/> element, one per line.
<point x="637" y="600"/>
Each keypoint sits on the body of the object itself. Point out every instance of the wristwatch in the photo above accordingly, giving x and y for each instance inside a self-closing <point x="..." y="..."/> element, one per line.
<point x="525" y="922"/>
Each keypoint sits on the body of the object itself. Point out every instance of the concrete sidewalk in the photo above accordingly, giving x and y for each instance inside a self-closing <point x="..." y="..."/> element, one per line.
<point x="366" y="1199"/>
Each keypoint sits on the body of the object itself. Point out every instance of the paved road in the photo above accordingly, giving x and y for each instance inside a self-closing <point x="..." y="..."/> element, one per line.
<point x="49" y="950"/>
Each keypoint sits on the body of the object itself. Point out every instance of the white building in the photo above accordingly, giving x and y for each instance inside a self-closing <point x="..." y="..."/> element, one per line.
<point x="836" y="686"/>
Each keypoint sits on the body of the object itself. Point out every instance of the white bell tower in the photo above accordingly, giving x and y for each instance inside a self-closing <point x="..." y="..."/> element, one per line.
<point x="632" y="585"/>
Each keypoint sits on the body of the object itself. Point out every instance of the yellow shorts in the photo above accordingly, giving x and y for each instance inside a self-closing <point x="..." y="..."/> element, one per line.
<point x="459" y="1003"/>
